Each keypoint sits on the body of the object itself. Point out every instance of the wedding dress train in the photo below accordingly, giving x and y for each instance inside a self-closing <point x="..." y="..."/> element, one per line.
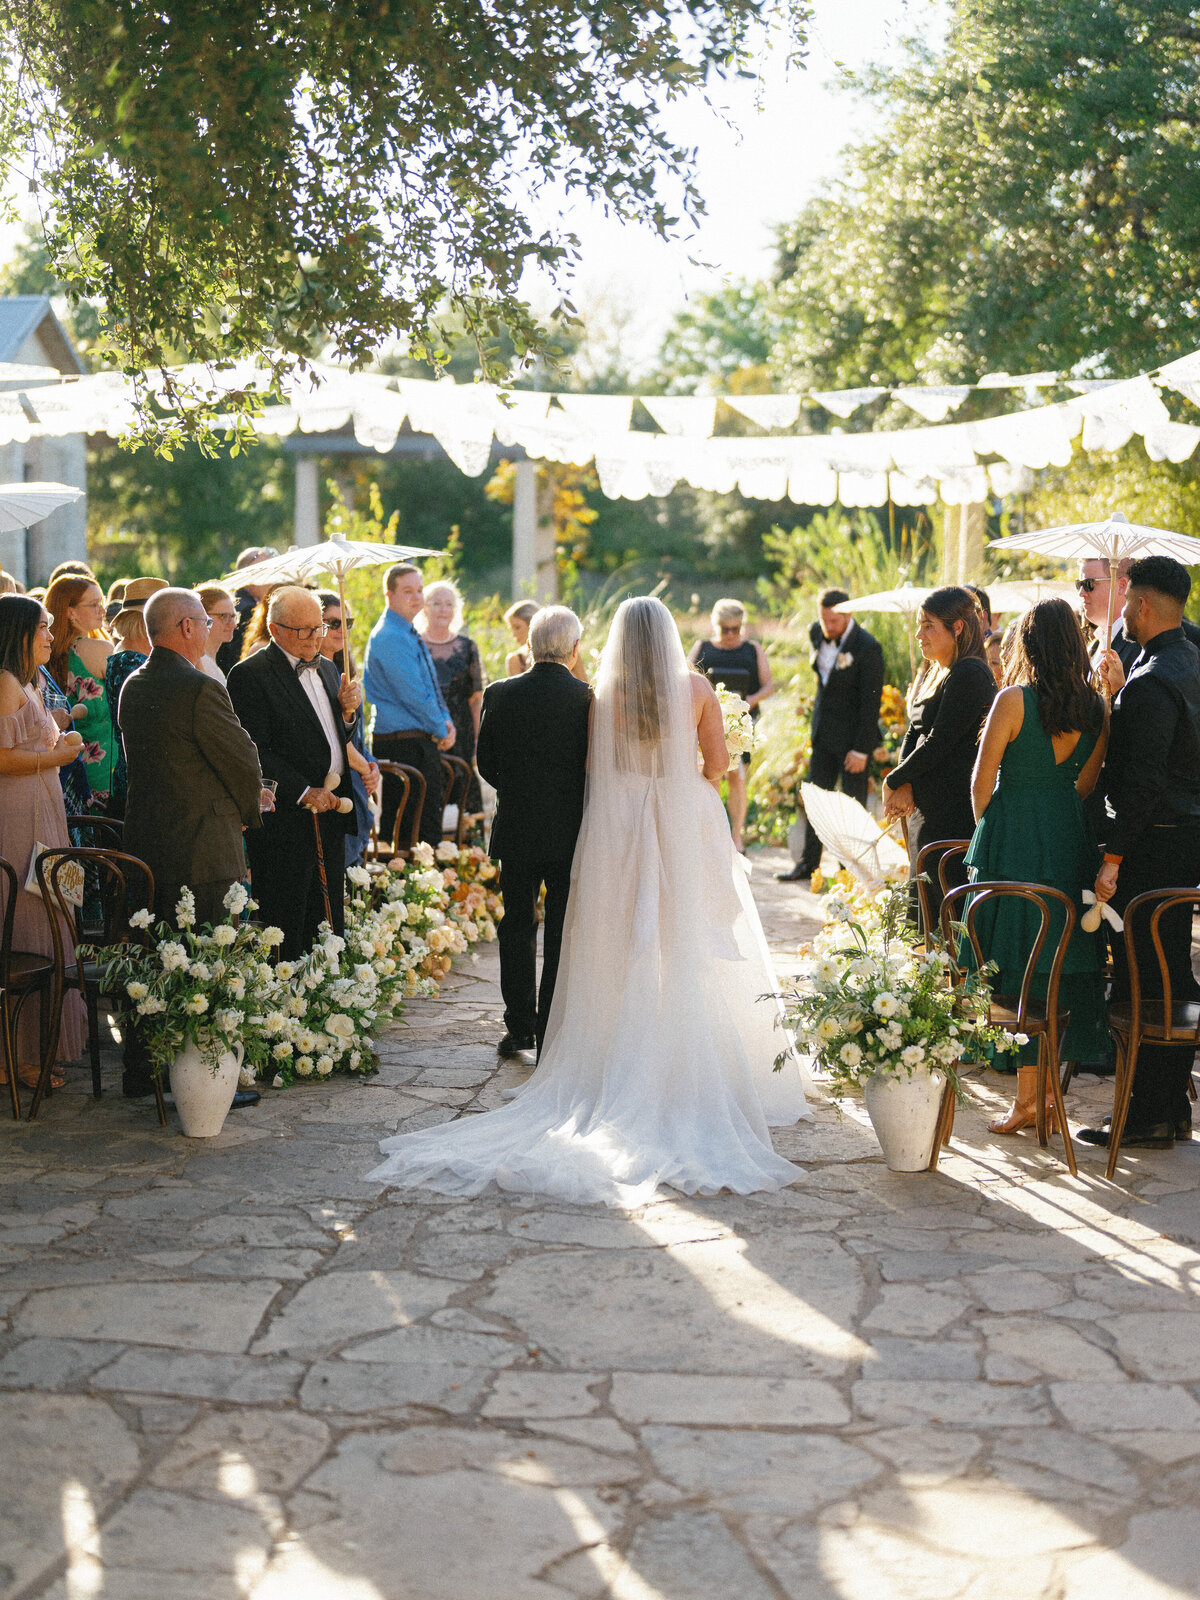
<point x="658" y="1063"/>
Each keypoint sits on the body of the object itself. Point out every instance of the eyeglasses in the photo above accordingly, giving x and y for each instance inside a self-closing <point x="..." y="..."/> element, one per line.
<point x="223" y="616"/>
<point x="1086" y="585"/>
<point x="304" y="634"/>
<point x="207" y="621"/>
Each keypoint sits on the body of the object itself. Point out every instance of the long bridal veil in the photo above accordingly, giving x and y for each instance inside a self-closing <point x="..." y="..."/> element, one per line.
<point x="658" y="1063"/>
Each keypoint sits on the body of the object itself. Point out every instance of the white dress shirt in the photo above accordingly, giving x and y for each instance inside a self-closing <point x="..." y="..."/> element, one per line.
<point x="310" y="682"/>
<point x="828" y="651"/>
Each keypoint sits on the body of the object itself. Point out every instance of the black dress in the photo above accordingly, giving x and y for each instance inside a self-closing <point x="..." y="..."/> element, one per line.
<point x="737" y="669"/>
<point x="460" y="675"/>
<point x="938" y="755"/>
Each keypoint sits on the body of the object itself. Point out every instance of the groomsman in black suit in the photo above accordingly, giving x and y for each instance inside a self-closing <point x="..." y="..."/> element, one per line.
<point x="848" y="662"/>
<point x="293" y="705"/>
<point x="1152" y="782"/>
<point x="533" y="744"/>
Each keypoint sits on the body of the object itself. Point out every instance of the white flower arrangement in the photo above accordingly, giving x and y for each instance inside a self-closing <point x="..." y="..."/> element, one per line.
<point x="739" y="724"/>
<point x="871" y="1004"/>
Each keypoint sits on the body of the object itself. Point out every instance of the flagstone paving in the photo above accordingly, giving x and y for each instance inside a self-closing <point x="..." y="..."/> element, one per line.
<point x="232" y="1368"/>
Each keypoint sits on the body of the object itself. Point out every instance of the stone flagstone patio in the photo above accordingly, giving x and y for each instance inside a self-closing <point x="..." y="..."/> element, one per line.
<point x="231" y="1368"/>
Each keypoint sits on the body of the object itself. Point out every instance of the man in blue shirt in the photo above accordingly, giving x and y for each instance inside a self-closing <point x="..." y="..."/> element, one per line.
<point x="410" y="724"/>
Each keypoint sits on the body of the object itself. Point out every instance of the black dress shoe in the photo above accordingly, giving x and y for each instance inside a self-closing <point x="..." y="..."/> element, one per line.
<point x="799" y="874"/>
<point x="1150" y="1136"/>
<point x="244" y="1097"/>
<point x="510" y="1045"/>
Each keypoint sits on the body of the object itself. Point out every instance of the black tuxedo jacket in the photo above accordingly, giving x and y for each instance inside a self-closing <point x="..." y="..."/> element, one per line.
<point x="846" y="711"/>
<point x="277" y="714"/>
<point x="533" y="743"/>
<point x="193" y="774"/>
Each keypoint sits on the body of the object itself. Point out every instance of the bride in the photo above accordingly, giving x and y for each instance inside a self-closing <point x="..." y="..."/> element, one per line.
<point x="658" y="1062"/>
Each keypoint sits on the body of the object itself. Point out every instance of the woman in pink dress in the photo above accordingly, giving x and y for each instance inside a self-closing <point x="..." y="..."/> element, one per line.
<point x="31" y="807"/>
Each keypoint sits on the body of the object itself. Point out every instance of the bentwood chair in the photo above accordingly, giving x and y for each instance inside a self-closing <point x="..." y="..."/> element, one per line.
<point x="1023" y="1012"/>
<point x="457" y="775"/>
<point x="404" y="839"/>
<point x="935" y="857"/>
<point x="1158" y="1016"/>
<point x="126" y="885"/>
<point x="23" y="974"/>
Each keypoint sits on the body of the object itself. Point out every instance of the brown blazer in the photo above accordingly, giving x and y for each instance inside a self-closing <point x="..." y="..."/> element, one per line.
<point x="194" y="777"/>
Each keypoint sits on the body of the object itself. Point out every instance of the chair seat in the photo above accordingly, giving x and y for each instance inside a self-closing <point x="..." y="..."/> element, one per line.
<point x="1004" y="1012"/>
<point x="1185" y="1018"/>
<point x="26" y="968"/>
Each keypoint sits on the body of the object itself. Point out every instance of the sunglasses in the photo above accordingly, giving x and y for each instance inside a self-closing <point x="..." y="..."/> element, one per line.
<point x="1086" y="585"/>
<point x="335" y="624"/>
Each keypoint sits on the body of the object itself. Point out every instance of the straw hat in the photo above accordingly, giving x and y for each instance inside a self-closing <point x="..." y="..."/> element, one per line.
<point x="139" y="590"/>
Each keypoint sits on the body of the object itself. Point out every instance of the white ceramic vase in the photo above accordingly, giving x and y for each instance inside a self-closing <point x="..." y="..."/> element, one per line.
<point x="203" y="1097"/>
<point x="904" y="1114"/>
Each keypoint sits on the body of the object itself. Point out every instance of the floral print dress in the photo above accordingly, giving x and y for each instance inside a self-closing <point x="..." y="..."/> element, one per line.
<point x="96" y="728"/>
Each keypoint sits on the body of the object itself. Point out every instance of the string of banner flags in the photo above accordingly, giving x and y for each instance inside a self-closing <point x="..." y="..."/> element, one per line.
<point x="959" y="463"/>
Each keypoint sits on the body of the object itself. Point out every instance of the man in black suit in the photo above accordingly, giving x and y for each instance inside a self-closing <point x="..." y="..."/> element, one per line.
<point x="247" y="597"/>
<point x="293" y="705"/>
<point x="533" y="743"/>
<point x="1152" y="781"/>
<point x="848" y="663"/>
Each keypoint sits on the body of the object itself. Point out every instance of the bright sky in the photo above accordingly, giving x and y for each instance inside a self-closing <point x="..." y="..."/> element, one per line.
<point x="784" y="141"/>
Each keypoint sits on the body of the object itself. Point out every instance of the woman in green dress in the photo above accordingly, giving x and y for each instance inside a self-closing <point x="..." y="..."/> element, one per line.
<point x="1041" y="753"/>
<point x="78" y="661"/>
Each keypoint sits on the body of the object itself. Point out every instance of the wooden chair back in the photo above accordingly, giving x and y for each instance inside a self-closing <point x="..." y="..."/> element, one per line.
<point x="403" y="840"/>
<point x="1162" y="1029"/>
<point x="951" y="849"/>
<point x="457" y="776"/>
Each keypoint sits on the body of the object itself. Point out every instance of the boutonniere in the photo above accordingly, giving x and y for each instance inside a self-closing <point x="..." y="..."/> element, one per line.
<point x="845" y="660"/>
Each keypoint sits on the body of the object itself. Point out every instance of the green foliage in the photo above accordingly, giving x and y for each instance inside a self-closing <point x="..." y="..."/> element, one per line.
<point x="229" y="179"/>
<point x="1032" y="200"/>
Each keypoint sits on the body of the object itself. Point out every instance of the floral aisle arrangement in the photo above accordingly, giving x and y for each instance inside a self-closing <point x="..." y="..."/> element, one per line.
<point x="218" y="987"/>
<point x="188" y="985"/>
<point x="873" y="1006"/>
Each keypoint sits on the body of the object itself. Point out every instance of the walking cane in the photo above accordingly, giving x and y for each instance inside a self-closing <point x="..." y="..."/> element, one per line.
<point x="345" y="805"/>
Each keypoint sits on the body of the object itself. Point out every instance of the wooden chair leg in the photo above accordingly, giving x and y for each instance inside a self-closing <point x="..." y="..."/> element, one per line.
<point x="159" y="1101"/>
<point x="93" y="1017"/>
<point x="1122" y="1093"/>
<point x="1068" y="1072"/>
<point x="50" y="1006"/>
<point x="945" y="1125"/>
<point x="8" y="1045"/>
<point x="1060" y="1106"/>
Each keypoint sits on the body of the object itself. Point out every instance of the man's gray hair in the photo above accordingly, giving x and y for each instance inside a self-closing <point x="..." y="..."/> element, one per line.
<point x="165" y="610"/>
<point x="282" y="600"/>
<point x="553" y="634"/>
<point x="252" y="555"/>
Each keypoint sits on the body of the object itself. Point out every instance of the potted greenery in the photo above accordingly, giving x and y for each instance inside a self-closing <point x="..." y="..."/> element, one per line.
<point x="878" y="1014"/>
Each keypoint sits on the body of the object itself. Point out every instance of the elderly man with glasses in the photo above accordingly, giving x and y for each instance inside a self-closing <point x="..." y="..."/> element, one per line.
<point x="293" y="705"/>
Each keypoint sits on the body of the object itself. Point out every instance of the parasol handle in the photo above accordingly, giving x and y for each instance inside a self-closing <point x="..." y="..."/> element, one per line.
<point x="347" y="653"/>
<point x="1112" y="601"/>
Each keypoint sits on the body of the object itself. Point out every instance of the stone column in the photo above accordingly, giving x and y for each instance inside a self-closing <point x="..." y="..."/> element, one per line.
<point x="525" y="529"/>
<point x="307" y="527"/>
<point x="972" y="526"/>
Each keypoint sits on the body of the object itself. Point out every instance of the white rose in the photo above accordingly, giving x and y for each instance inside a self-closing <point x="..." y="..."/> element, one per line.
<point x="136" y="991"/>
<point x="359" y="876"/>
<point x="224" y="935"/>
<point x="423" y="854"/>
<point x="340" y="1026"/>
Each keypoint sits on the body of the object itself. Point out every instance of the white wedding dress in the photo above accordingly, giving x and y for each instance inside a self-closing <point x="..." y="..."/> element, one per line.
<point x="658" y="1063"/>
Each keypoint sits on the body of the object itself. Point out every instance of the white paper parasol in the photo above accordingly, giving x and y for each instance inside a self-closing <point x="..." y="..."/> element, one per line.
<point x="852" y="834"/>
<point x="333" y="558"/>
<point x="22" y="504"/>
<point x="1111" y="540"/>
<point x="1022" y="593"/>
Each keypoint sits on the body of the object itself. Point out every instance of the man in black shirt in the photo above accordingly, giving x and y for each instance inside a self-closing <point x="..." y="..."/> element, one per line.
<point x="1152" y="782"/>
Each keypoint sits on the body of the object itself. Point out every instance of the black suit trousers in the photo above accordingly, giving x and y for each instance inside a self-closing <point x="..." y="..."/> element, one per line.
<point x="825" y="770"/>
<point x="526" y="1007"/>
<point x="427" y="758"/>
<point x="1161" y="858"/>
<point x="287" y="884"/>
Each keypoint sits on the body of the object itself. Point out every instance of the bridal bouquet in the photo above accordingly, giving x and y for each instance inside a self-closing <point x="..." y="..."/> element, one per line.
<point x="202" y="985"/>
<point x="873" y="1005"/>
<point x="739" y="725"/>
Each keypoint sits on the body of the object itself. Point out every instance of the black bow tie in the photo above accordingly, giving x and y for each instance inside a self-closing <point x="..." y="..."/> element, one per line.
<point x="306" y="666"/>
